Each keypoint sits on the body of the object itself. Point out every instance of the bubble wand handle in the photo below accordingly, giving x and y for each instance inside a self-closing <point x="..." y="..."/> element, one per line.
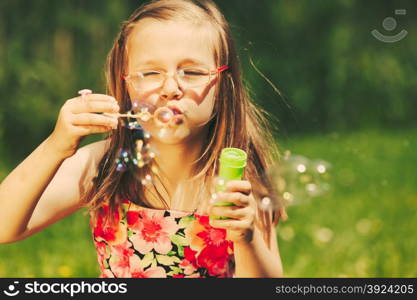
<point x="144" y="116"/>
<point x="232" y="164"/>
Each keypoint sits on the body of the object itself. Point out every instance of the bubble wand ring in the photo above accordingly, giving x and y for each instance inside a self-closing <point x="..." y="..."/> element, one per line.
<point x="163" y="116"/>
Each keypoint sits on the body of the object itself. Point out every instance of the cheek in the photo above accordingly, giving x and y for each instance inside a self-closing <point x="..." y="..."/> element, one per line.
<point x="202" y="112"/>
<point x="140" y="100"/>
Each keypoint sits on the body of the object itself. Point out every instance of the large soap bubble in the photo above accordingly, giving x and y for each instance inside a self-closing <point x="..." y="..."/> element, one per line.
<point x="297" y="179"/>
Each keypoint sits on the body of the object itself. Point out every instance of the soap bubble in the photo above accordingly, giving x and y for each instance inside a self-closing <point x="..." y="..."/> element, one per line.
<point x="123" y="159"/>
<point x="266" y="203"/>
<point x="163" y="133"/>
<point x="163" y="115"/>
<point x="147" y="180"/>
<point x="297" y="179"/>
<point x="140" y="105"/>
<point x="142" y="153"/>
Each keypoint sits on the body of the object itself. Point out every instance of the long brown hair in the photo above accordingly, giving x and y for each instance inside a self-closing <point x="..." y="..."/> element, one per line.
<point x="236" y="121"/>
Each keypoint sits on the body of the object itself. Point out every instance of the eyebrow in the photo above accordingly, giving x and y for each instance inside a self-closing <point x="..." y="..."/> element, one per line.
<point x="182" y="62"/>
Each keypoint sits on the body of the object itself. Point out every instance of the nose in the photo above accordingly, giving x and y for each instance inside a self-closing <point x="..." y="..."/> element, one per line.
<point x="170" y="89"/>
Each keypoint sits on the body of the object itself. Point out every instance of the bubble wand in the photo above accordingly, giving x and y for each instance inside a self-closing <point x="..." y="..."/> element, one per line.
<point x="163" y="115"/>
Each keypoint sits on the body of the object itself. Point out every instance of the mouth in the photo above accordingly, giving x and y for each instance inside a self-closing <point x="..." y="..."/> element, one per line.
<point x="178" y="117"/>
<point x="169" y="115"/>
<point x="175" y="110"/>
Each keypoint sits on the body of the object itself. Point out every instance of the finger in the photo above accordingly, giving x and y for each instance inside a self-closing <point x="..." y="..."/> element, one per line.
<point x="230" y="224"/>
<point x="95" y="97"/>
<point x="242" y="186"/>
<point x="235" y="198"/>
<point x="231" y="212"/>
<point x="94" y="119"/>
<point x="87" y="130"/>
<point x="283" y="214"/>
<point x="94" y="106"/>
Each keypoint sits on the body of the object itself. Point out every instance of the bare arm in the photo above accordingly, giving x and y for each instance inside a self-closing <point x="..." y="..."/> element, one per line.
<point x="45" y="188"/>
<point x="255" y="259"/>
<point x="46" y="185"/>
<point x="21" y="189"/>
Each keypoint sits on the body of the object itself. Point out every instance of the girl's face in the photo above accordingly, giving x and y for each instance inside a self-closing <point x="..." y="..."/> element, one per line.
<point x="168" y="46"/>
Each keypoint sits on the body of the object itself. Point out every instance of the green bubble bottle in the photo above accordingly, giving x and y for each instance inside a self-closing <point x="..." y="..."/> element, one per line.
<point x="232" y="164"/>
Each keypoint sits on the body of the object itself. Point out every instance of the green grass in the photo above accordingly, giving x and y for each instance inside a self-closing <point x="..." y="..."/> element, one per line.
<point x="363" y="228"/>
<point x="369" y="217"/>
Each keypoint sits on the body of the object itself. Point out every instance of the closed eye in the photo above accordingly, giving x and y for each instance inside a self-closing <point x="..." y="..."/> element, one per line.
<point x="150" y="73"/>
<point x="195" y="73"/>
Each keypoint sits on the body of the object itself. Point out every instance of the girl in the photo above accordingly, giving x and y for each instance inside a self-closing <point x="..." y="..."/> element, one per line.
<point x="177" y="55"/>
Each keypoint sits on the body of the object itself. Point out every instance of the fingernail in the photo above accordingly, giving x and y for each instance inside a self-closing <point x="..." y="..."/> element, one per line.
<point x="84" y="92"/>
<point x="116" y="107"/>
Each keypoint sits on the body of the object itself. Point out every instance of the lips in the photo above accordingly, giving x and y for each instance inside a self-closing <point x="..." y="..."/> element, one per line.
<point x="175" y="110"/>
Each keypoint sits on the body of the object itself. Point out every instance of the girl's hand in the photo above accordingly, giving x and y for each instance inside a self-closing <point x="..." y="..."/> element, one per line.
<point x="240" y="225"/>
<point x="77" y="118"/>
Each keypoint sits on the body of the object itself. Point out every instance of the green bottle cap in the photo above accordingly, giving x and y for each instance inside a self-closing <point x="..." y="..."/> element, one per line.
<point x="232" y="163"/>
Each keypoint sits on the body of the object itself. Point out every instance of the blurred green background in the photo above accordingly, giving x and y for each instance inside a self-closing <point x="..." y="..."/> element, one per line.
<point x="348" y="99"/>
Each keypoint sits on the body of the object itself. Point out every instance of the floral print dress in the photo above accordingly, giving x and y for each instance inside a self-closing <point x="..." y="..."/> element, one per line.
<point x="147" y="242"/>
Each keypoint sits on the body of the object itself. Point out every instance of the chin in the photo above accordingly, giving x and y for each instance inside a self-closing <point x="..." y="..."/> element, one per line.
<point x="171" y="136"/>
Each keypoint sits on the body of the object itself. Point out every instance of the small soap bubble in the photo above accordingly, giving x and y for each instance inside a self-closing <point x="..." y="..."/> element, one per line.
<point x="163" y="115"/>
<point x="322" y="176"/>
<point x="288" y="197"/>
<point x="266" y="203"/>
<point x="162" y="133"/>
<point x="122" y="160"/>
<point x="139" y="146"/>
<point x="182" y="131"/>
<point x="154" y="169"/>
<point x="140" y="163"/>
<point x="147" y="180"/>
<point x="140" y="106"/>
<point x="145" y="116"/>
<point x="142" y="153"/>
<point x="120" y="167"/>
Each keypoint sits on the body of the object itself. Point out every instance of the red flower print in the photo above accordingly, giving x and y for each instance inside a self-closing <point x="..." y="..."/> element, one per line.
<point x="189" y="263"/>
<point x="153" y="231"/>
<point x="120" y="259"/>
<point x="139" y="272"/>
<point x="102" y="253"/>
<point x="211" y="235"/>
<point x="112" y="233"/>
<point x="132" y="218"/>
<point x="214" y="259"/>
<point x="189" y="255"/>
<point x="106" y="274"/>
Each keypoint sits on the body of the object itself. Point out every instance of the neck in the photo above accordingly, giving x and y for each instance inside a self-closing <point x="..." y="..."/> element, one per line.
<point x="175" y="161"/>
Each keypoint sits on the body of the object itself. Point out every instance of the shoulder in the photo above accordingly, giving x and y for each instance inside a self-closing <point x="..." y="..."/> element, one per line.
<point x="94" y="152"/>
<point x="87" y="158"/>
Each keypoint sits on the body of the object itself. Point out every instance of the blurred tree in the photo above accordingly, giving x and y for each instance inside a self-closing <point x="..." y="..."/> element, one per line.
<point x="333" y="73"/>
